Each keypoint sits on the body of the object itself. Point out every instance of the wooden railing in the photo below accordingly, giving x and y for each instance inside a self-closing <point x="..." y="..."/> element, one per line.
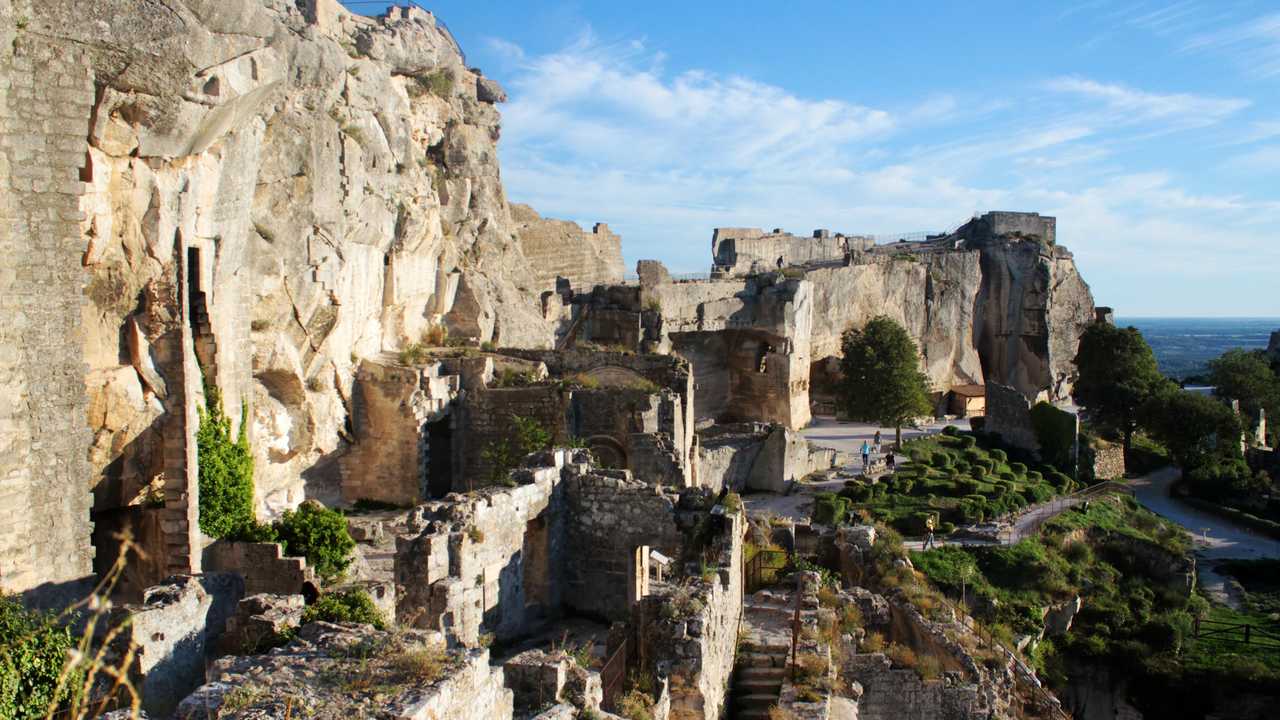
<point x="1240" y="633"/>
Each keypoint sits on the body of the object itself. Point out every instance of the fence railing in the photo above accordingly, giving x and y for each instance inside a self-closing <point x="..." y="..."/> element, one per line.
<point x="1240" y="633"/>
<point x="1021" y="670"/>
<point x="763" y="569"/>
<point x="1053" y="508"/>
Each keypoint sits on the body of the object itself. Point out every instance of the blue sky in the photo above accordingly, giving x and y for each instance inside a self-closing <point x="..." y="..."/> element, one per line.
<point x="1150" y="129"/>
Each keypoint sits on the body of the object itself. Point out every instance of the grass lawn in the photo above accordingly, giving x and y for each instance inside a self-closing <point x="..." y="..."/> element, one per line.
<point x="957" y="478"/>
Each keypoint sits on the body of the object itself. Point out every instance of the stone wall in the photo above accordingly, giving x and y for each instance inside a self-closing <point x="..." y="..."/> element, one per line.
<point x="46" y="93"/>
<point x="390" y="460"/>
<point x="263" y="567"/>
<point x="609" y="515"/>
<point x="493" y="562"/>
<point x="559" y="248"/>
<point x="175" y="626"/>
<point x="487" y="420"/>
<point x="901" y="694"/>
<point x="1009" y="416"/>
<point x="758" y="456"/>
<point x="1106" y="459"/>
<point x="741" y="251"/>
<point x="697" y="652"/>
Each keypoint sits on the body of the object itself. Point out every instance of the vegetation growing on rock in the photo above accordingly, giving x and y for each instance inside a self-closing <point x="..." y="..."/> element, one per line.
<point x="225" y="469"/>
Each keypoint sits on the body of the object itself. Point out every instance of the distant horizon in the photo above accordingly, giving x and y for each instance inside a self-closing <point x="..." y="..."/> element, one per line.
<point x="1153" y="135"/>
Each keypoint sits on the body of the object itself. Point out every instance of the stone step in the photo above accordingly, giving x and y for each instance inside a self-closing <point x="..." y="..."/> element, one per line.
<point x="752" y="713"/>
<point x="760" y="674"/>
<point x="762" y="660"/>
<point x="751" y="700"/>
<point x="763" y="686"/>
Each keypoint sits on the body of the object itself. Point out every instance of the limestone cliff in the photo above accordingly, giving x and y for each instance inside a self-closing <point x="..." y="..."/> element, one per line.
<point x="273" y="189"/>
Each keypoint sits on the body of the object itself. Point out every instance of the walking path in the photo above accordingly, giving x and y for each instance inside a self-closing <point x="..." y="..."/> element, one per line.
<point x="1215" y="538"/>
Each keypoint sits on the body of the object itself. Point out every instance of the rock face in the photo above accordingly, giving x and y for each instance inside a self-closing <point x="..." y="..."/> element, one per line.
<point x="268" y="190"/>
<point x="559" y="248"/>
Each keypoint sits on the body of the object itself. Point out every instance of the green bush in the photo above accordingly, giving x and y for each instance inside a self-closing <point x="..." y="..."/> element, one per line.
<point x="1059" y="481"/>
<point x="354" y="606"/>
<point x="225" y="469"/>
<point x="318" y="534"/>
<point x="829" y="509"/>
<point x="943" y="460"/>
<point x="967" y="441"/>
<point x="33" y="649"/>
<point x="967" y="486"/>
<point x="998" y="455"/>
<point x="1018" y="469"/>
<point x="978" y="472"/>
<point x="951" y="431"/>
<point x="856" y="493"/>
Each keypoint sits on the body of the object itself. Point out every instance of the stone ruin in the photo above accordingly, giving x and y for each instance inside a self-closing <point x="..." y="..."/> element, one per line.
<point x="289" y="202"/>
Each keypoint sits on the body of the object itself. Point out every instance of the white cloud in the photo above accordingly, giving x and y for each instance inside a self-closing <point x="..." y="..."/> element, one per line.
<point x="1256" y="44"/>
<point x="1179" y="109"/>
<point x="604" y="133"/>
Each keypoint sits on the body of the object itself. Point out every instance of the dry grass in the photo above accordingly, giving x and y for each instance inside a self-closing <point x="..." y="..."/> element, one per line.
<point x="422" y="664"/>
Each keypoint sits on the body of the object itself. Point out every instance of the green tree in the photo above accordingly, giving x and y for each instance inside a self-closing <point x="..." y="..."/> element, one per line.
<point x="1117" y="374"/>
<point x="1246" y="375"/>
<point x="1196" y="429"/>
<point x="881" y="380"/>
<point x="225" y="469"/>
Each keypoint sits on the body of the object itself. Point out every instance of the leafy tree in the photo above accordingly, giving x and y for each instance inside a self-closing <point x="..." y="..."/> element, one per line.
<point x="1117" y="374"/>
<point x="1196" y="429"/>
<point x="881" y="380"/>
<point x="225" y="469"/>
<point x="1246" y="375"/>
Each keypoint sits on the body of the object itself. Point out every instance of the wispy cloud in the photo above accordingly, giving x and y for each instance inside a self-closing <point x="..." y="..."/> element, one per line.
<point x="604" y="132"/>
<point x="1255" y="44"/>
<point x="1179" y="109"/>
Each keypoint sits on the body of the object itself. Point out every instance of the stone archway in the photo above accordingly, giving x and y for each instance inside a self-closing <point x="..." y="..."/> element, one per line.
<point x="615" y="376"/>
<point x="608" y="452"/>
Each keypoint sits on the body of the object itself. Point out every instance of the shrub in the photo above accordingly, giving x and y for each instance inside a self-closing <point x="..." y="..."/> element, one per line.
<point x="636" y="705"/>
<point x="951" y="431"/>
<point x="413" y="354"/>
<point x="225" y="469"/>
<point x="873" y="642"/>
<point x="967" y="486"/>
<point x="967" y="441"/>
<point x="829" y="509"/>
<point x="318" y="534"/>
<point x="438" y="83"/>
<point x="998" y="455"/>
<point x="979" y="472"/>
<point x="1060" y="481"/>
<point x="901" y="655"/>
<point x="33" y="649"/>
<point x="732" y="502"/>
<point x="1019" y="469"/>
<point x="929" y="668"/>
<point x="353" y="606"/>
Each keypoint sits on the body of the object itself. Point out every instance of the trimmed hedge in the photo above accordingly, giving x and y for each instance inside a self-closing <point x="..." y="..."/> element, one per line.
<point x="830" y="509"/>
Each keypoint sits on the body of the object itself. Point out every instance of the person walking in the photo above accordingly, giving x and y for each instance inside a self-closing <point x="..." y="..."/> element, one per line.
<point x="890" y="463"/>
<point x="877" y="441"/>
<point x="929" y="541"/>
<point x="866" y="455"/>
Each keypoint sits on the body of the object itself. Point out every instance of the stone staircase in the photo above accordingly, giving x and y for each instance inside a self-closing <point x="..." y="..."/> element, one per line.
<point x="763" y="653"/>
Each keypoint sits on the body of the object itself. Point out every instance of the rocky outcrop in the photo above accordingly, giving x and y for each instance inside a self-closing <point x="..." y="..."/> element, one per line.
<point x="271" y="190"/>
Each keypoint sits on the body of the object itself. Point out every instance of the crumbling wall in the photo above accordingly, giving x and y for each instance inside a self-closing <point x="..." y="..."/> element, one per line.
<point x="901" y="694"/>
<point x="488" y="421"/>
<point x="44" y="110"/>
<point x="609" y="515"/>
<point x="758" y="456"/>
<point x="263" y="566"/>
<point x="392" y="404"/>
<point x="493" y="562"/>
<point x="560" y="248"/>
<point x="171" y="630"/>
<point x="697" y="651"/>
